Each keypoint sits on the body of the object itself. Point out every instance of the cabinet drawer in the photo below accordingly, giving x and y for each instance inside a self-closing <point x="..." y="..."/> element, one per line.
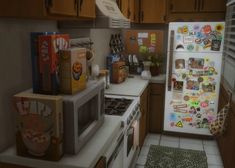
<point x="157" y="88"/>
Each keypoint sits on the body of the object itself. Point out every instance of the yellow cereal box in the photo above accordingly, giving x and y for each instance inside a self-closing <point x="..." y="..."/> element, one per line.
<point x="72" y="70"/>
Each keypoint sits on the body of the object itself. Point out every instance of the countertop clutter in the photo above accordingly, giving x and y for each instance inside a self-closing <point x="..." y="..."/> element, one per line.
<point x="86" y="158"/>
<point x="99" y="143"/>
<point x="133" y="86"/>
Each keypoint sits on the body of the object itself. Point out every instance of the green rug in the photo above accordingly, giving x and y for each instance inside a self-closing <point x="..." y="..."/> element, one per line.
<point x="168" y="157"/>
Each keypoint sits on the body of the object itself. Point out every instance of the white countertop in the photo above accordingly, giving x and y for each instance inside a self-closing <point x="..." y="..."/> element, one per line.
<point x="86" y="158"/>
<point x="133" y="86"/>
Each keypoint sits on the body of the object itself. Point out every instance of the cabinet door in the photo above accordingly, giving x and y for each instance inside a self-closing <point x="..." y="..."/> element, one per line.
<point x="128" y="9"/>
<point x="156" y="108"/>
<point x="86" y="8"/>
<point x="212" y="6"/>
<point x="62" y="7"/>
<point x="183" y="6"/>
<point x="152" y="11"/>
<point x="143" y="119"/>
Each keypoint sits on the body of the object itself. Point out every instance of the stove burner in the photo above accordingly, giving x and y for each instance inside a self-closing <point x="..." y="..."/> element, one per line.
<point x="116" y="106"/>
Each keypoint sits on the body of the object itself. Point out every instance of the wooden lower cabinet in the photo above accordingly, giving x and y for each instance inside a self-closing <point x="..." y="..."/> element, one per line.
<point x="156" y="110"/>
<point x="226" y="142"/>
<point x="143" y="129"/>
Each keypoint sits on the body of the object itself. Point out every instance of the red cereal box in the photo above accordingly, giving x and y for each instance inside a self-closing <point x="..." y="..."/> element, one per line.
<point x="49" y="47"/>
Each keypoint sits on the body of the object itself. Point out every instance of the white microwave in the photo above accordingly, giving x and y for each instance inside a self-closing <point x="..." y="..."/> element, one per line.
<point x="83" y="116"/>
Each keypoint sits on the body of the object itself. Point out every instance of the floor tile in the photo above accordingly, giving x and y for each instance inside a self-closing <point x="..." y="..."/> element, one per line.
<point x="214" y="166"/>
<point x="209" y="142"/>
<point x="169" y="138"/>
<point x="153" y="136"/>
<point x="150" y="141"/>
<point x="214" y="160"/>
<point x="141" y="160"/>
<point x="144" y="150"/>
<point x="191" y="141"/>
<point x="139" y="166"/>
<point x="191" y="146"/>
<point x="211" y="150"/>
<point x="169" y="143"/>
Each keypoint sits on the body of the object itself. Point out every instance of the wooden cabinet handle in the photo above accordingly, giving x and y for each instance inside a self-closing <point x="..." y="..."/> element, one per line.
<point x="80" y="6"/>
<point x="75" y="4"/>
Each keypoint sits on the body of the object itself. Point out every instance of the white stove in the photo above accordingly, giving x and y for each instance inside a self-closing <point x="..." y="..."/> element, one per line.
<point x="127" y="108"/>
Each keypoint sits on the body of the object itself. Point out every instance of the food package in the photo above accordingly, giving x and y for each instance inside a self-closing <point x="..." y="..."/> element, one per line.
<point x="35" y="59"/>
<point x="49" y="48"/>
<point x="119" y="72"/>
<point x="72" y="70"/>
<point x="39" y="125"/>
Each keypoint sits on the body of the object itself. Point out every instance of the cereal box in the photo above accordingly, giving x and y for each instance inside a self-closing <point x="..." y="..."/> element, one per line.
<point x="72" y="70"/>
<point x="39" y="125"/>
<point x="49" y="47"/>
<point x="35" y="58"/>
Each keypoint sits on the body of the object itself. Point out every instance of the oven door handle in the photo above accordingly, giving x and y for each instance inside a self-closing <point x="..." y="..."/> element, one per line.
<point x="116" y="151"/>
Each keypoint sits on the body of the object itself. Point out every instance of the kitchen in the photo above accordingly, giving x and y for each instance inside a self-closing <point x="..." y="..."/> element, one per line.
<point x="16" y="31"/>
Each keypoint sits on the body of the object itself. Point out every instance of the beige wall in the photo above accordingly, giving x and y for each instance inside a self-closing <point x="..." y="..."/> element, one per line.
<point x="15" y="67"/>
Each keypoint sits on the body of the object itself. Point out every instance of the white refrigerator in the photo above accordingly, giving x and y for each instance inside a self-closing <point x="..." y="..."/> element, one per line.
<point x="194" y="58"/>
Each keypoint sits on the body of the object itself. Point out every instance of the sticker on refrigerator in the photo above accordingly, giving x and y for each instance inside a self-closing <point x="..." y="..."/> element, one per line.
<point x="206" y="29"/>
<point x="196" y="63"/>
<point x="153" y="39"/>
<point x="179" y="47"/>
<point x="208" y="87"/>
<point x="188" y="39"/>
<point x="143" y="35"/>
<point x="215" y="45"/>
<point x="179" y="64"/>
<point x="183" y="30"/>
<point x="140" y="42"/>
<point x="192" y="85"/>
<point x="178" y="86"/>
<point x="179" y="124"/>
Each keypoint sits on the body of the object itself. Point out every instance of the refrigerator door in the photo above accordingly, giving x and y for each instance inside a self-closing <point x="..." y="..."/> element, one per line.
<point x="198" y="36"/>
<point x="191" y="98"/>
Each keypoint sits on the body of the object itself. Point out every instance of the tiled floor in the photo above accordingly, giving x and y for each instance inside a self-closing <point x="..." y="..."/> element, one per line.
<point x="209" y="146"/>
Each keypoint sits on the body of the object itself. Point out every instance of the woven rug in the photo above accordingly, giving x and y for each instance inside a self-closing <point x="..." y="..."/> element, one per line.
<point x="168" y="157"/>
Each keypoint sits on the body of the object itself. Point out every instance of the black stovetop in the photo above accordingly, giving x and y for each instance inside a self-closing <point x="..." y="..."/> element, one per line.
<point x="116" y="106"/>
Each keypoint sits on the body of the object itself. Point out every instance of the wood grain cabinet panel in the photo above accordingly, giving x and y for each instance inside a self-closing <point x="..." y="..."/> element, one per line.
<point x="196" y="10"/>
<point x="152" y="11"/>
<point x="143" y="128"/>
<point x="156" y="111"/>
<point x="48" y="9"/>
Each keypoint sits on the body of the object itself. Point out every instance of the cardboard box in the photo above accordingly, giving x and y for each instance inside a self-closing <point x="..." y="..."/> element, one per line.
<point x="39" y="125"/>
<point x="119" y="72"/>
<point x="49" y="47"/>
<point x="35" y="59"/>
<point x="73" y="70"/>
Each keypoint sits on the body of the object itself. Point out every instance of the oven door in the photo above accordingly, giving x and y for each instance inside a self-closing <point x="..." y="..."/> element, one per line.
<point x="115" y="160"/>
<point x="131" y="142"/>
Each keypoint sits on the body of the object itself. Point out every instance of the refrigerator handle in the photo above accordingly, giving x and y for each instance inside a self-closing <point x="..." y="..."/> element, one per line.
<point x="172" y="35"/>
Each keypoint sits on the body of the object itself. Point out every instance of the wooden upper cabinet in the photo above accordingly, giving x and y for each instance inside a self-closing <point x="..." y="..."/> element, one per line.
<point x="183" y="6"/>
<point x="127" y="8"/>
<point x="62" y="7"/>
<point x="43" y="9"/>
<point x="86" y="8"/>
<point x="196" y="10"/>
<point x="152" y="11"/>
<point x="212" y="6"/>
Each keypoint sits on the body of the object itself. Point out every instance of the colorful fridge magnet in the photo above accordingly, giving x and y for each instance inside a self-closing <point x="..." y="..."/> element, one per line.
<point x="178" y="85"/>
<point x="208" y="88"/>
<point x="196" y="63"/>
<point x="192" y="85"/>
<point x="179" y="124"/>
<point x="179" y="64"/>
<point x="153" y="39"/>
<point x="143" y="49"/>
<point x="215" y="45"/>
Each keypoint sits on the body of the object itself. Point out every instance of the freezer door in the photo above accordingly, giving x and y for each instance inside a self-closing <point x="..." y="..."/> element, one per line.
<point x="191" y="103"/>
<point x="197" y="36"/>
